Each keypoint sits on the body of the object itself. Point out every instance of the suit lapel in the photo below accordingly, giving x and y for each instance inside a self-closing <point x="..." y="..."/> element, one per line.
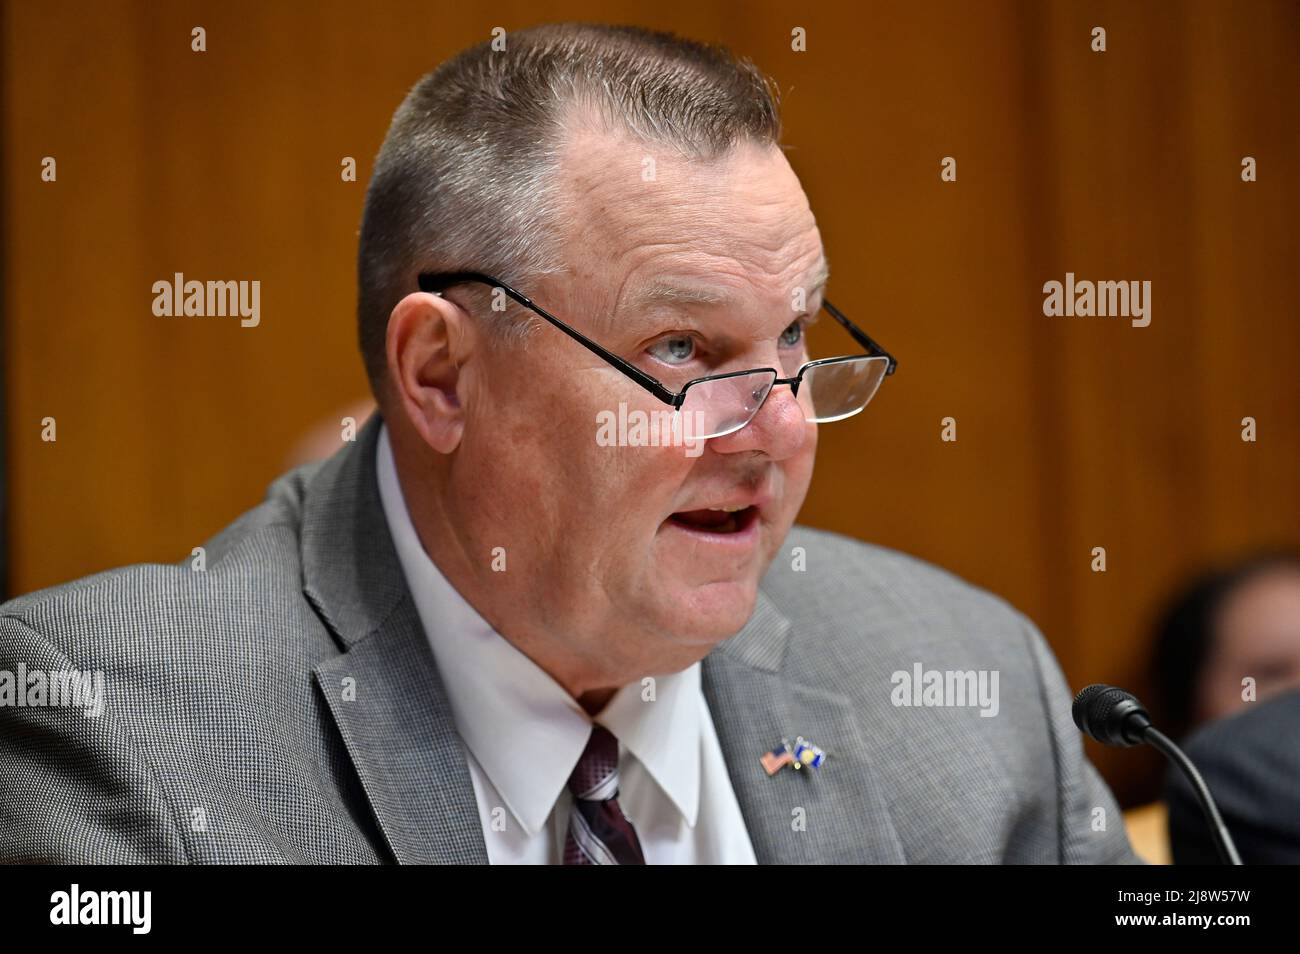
<point x="845" y="816"/>
<point x="401" y="735"/>
<point x="383" y="691"/>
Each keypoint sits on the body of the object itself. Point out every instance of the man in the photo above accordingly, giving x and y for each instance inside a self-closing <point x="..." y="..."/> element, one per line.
<point x="480" y="633"/>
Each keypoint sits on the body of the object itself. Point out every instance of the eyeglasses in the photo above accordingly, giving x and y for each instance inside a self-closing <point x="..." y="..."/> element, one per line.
<point x="827" y="389"/>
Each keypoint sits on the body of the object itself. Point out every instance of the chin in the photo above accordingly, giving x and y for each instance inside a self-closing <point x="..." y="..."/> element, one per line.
<point x="712" y="612"/>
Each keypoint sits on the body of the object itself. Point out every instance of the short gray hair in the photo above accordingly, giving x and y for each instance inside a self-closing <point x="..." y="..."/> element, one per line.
<point x="464" y="179"/>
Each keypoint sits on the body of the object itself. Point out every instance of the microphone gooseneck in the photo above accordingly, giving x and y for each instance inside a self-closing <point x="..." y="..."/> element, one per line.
<point x="1115" y="717"/>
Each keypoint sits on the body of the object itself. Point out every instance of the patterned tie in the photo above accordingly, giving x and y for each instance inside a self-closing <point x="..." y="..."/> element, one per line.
<point x="599" y="832"/>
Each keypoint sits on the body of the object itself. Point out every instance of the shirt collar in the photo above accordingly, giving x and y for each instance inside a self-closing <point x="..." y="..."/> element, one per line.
<point x="524" y="729"/>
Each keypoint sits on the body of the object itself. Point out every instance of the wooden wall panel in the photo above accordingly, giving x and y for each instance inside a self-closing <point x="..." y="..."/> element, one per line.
<point x="1073" y="433"/>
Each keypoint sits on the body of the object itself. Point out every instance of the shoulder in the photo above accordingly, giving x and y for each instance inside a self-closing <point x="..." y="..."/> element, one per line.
<point x="851" y="587"/>
<point x="1250" y="761"/>
<point x="155" y="688"/>
<point x="1248" y="740"/>
<point x="207" y="592"/>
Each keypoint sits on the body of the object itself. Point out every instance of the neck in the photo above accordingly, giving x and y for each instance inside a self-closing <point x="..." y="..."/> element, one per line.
<point x="596" y="700"/>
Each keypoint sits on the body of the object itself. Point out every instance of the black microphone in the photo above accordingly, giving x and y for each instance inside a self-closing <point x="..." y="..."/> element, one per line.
<point x="1115" y="717"/>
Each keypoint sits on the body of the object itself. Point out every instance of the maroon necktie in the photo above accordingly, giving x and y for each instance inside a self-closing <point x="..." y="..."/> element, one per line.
<point x="599" y="832"/>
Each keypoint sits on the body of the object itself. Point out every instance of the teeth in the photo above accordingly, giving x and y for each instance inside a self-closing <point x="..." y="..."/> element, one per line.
<point x="728" y="509"/>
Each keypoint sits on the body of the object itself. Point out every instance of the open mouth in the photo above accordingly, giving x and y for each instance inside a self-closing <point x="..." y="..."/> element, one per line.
<point x="716" y="520"/>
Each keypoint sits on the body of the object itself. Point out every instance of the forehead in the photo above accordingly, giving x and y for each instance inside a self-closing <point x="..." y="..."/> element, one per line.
<point x="646" y="225"/>
<point x="1272" y="594"/>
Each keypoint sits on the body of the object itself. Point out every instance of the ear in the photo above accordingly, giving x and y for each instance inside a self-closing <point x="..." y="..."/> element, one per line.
<point x="430" y="339"/>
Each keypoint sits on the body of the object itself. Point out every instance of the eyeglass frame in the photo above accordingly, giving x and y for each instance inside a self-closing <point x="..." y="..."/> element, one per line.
<point x="436" y="283"/>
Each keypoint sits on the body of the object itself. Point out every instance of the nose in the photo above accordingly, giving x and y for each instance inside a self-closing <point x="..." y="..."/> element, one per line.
<point x="778" y="430"/>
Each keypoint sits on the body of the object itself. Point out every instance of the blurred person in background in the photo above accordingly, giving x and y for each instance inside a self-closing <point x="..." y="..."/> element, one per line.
<point x="1232" y="623"/>
<point x="1227" y="675"/>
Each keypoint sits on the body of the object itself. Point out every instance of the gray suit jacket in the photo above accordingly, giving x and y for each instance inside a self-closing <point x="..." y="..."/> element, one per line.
<point x="230" y="732"/>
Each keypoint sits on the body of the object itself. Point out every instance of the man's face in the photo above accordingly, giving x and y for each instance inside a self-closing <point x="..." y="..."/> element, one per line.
<point x="633" y="545"/>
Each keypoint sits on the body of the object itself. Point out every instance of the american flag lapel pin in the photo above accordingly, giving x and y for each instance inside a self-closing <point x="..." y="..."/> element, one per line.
<point x="778" y="758"/>
<point x="802" y="754"/>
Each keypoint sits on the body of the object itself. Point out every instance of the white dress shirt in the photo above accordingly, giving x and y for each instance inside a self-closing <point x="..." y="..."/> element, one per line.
<point x="525" y="733"/>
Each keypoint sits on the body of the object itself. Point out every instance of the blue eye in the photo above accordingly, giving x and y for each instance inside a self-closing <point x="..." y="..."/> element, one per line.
<point x="675" y="350"/>
<point x="792" y="336"/>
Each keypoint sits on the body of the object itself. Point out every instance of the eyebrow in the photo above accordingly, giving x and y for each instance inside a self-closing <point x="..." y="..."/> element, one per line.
<point x="674" y="292"/>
